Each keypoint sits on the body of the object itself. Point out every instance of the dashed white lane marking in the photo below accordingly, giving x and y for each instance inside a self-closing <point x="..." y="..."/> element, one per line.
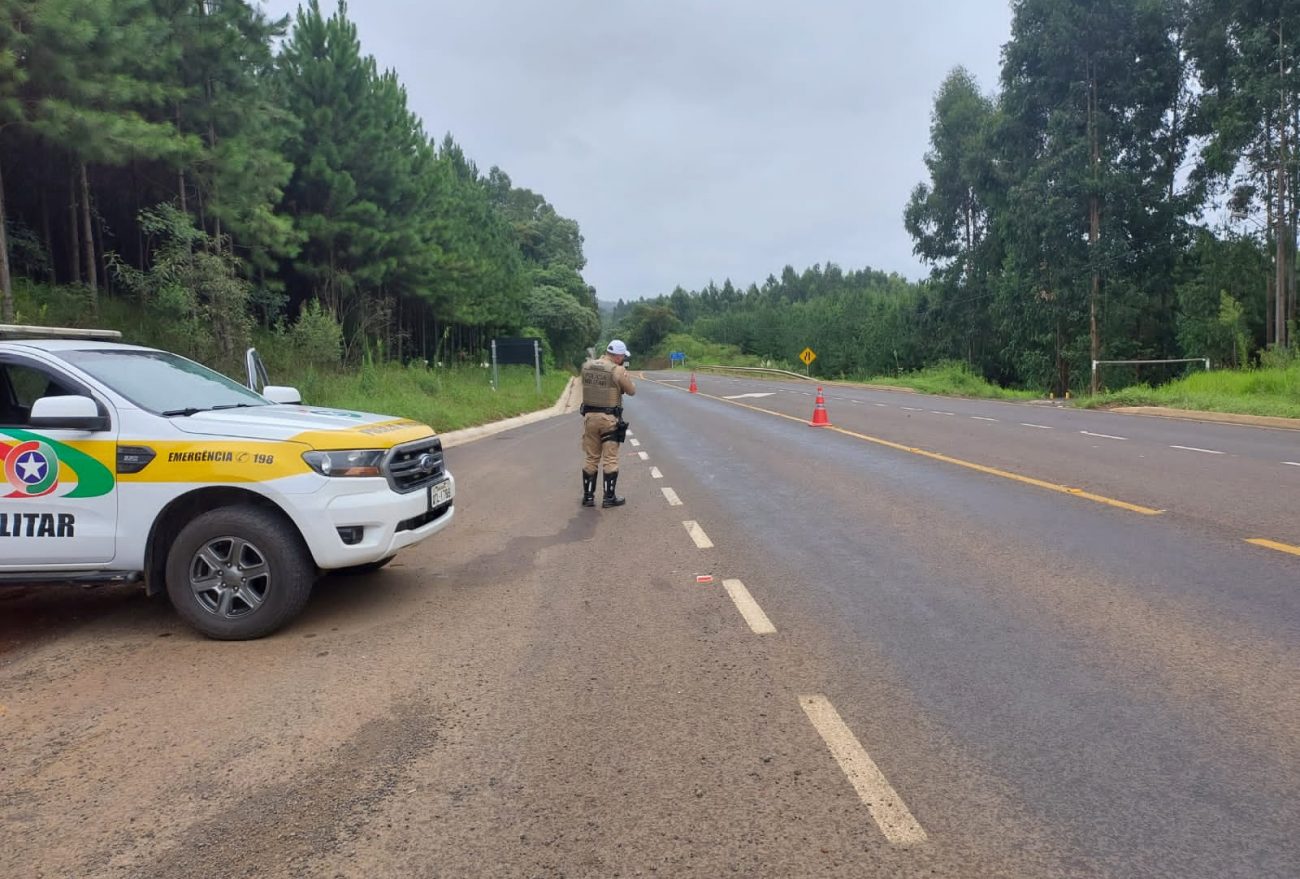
<point x="883" y="802"/>
<point x="1038" y="426"/>
<point x="1102" y="435"/>
<point x="911" y="409"/>
<point x="1292" y="463"/>
<point x="1194" y="449"/>
<point x="697" y="534"/>
<point x="644" y="456"/>
<point x="654" y="471"/>
<point x="749" y="608"/>
<point x="881" y="405"/>
<point x="671" y="497"/>
<point x="982" y="418"/>
<point x="635" y="443"/>
<point x="937" y="412"/>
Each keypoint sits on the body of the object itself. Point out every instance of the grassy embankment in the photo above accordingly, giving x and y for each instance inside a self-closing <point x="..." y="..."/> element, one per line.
<point x="447" y="399"/>
<point x="948" y="379"/>
<point x="1265" y="391"/>
<point x="1271" y="390"/>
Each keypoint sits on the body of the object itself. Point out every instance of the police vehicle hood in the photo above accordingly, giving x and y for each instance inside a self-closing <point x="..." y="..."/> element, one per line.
<point x="317" y="427"/>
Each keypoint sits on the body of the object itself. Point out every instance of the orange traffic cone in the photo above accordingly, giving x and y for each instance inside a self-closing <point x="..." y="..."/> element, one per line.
<point x="820" y="418"/>
<point x="694" y="389"/>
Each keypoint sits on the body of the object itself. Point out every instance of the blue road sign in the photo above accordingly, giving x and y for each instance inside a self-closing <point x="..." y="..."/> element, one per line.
<point x="677" y="355"/>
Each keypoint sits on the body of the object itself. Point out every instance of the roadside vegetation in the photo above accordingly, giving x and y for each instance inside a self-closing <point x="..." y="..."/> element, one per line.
<point x="204" y="178"/>
<point x="954" y="379"/>
<point x="307" y="355"/>
<point x="1267" y="390"/>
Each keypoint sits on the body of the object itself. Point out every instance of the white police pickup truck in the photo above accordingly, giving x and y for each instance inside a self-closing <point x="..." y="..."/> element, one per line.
<point x="125" y="463"/>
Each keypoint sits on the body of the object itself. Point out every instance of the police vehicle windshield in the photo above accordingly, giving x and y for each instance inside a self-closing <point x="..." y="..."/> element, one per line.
<point x="163" y="383"/>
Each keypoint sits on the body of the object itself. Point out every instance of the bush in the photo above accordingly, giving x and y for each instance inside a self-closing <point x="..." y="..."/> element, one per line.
<point x="194" y="284"/>
<point x="316" y="338"/>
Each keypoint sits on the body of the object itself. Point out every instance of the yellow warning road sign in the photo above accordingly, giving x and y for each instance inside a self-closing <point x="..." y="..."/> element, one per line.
<point x="808" y="356"/>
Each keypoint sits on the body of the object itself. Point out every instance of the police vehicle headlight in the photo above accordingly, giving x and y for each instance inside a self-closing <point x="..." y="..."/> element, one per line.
<point x="356" y="462"/>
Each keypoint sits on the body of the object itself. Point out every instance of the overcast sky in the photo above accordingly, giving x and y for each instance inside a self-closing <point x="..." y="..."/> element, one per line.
<point x="694" y="140"/>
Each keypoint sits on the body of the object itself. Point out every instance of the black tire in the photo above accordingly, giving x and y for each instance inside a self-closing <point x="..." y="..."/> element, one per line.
<point x="258" y="573"/>
<point x="367" y="568"/>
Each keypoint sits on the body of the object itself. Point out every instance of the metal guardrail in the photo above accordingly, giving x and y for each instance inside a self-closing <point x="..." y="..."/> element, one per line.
<point x="762" y="369"/>
<point x="785" y="373"/>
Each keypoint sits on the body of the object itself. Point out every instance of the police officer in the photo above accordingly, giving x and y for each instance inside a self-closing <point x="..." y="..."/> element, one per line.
<point x="604" y="382"/>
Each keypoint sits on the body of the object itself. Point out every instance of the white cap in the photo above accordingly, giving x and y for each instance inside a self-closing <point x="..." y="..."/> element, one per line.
<point x="617" y="347"/>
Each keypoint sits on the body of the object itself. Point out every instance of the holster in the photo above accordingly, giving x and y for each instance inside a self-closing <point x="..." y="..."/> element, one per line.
<point x="616" y="435"/>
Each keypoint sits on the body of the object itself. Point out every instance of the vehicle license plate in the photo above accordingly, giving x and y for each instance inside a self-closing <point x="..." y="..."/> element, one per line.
<point x="439" y="493"/>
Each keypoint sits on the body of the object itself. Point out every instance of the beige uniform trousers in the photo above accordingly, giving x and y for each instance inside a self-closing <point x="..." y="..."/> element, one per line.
<point x="599" y="455"/>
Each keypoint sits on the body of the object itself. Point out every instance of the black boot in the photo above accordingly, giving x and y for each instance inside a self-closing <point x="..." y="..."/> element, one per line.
<point x="588" y="489"/>
<point x="611" y="499"/>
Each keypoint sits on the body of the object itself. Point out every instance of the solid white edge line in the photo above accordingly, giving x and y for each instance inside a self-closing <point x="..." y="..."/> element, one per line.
<point x="697" y="534"/>
<point x="644" y="456"/>
<point x="1194" y="449"/>
<point x="654" y="472"/>
<point x="749" y="608"/>
<point x="671" y="497"/>
<point x="883" y="802"/>
<point x="635" y="443"/>
<point x="1102" y="435"/>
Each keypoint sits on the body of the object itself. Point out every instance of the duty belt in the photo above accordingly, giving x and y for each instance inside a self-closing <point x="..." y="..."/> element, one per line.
<point x="616" y="411"/>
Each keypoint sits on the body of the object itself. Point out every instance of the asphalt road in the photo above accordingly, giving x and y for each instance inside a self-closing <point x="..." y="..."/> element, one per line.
<point x="954" y="645"/>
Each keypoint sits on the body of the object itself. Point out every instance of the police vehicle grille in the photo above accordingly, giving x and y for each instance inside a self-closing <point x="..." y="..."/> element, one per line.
<point x="404" y="465"/>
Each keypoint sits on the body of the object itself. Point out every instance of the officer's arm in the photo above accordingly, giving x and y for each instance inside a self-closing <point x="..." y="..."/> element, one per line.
<point x="625" y="382"/>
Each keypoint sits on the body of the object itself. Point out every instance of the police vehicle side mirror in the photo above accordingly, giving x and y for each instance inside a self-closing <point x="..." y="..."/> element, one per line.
<point x="281" y="394"/>
<point x="67" y="413"/>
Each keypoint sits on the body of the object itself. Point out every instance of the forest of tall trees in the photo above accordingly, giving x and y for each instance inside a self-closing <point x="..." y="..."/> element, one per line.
<point x="272" y="165"/>
<point x="1127" y="192"/>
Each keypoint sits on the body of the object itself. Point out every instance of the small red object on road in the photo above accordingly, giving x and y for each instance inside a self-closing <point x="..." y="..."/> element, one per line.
<point x="703" y="578"/>
<point x="820" y="418"/>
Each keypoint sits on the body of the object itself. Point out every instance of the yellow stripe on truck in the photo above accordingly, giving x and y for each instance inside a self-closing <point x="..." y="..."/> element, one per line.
<point x="220" y="461"/>
<point x="380" y="435"/>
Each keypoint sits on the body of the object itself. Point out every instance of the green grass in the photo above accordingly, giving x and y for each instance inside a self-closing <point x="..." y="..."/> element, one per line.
<point x="446" y="399"/>
<point x="953" y="380"/>
<point x="698" y="353"/>
<point x="1274" y="391"/>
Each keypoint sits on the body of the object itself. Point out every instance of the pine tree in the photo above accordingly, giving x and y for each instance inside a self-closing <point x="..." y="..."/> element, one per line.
<point x="93" y="69"/>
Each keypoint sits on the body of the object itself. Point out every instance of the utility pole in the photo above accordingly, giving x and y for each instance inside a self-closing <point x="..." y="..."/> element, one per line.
<point x="1094" y="220"/>
<point x="1280" y="282"/>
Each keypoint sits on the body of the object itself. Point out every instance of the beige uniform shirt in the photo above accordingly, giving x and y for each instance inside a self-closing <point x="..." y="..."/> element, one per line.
<point x="624" y="379"/>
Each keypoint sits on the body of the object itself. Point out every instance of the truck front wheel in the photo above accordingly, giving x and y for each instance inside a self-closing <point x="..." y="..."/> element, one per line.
<point x="237" y="573"/>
